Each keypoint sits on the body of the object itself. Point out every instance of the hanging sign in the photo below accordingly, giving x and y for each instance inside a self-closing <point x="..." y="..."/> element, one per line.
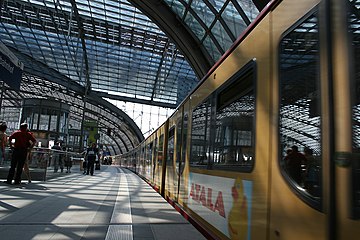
<point x="10" y="68"/>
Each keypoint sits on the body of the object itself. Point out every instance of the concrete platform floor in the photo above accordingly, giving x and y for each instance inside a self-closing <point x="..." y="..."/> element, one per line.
<point x="113" y="204"/>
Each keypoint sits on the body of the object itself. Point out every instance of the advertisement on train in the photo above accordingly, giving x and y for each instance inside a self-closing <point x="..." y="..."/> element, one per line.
<point x="225" y="203"/>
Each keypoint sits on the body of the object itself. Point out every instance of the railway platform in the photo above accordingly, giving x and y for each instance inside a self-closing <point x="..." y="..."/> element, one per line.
<point x="113" y="204"/>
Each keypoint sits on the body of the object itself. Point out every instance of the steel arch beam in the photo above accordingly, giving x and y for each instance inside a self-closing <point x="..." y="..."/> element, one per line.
<point x="159" y="12"/>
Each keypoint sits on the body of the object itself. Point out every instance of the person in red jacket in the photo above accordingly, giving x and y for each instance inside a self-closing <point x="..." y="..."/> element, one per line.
<point x="22" y="141"/>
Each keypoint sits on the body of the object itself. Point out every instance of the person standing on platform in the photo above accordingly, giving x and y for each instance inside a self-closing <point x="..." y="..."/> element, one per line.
<point x="67" y="160"/>
<point x="3" y="141"/>
<point x="90" y="156"/>
<point x="27" y="161"/>
<point x="57" y="157"/>
<point x="22" y="141"/>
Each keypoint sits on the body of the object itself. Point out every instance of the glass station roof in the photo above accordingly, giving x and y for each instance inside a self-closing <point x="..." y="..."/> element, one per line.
<point x="150" y="52"/>
<point x="216" y="23"/>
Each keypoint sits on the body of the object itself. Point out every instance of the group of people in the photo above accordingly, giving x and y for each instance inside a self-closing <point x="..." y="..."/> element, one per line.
<point x="60" y="160"/>
<point x="22" y="141"/>
<point x="302" y="167"/>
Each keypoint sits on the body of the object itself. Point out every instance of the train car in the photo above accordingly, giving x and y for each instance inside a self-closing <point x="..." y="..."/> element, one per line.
<point x="267" y="146"/>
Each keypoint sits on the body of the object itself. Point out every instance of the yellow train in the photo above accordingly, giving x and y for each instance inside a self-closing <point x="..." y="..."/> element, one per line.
<point x="267" y="146"/>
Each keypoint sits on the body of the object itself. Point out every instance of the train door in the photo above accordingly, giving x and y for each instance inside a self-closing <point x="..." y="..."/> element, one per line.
<point x="154" y="161"/>
<point x="315" y="183"/>
<point x="148" y="159"/>
<point x="158" y="161"/>
<point x="170" y="175"/>
<point x="159" y="155"/>
<point x="183" y="167"/>
<point x="300" y="136"/>
<point x="163" y="142"/>
<point x="346" y="92"/>
<point x="142" y="160"/>
<point x="175" y="149"/>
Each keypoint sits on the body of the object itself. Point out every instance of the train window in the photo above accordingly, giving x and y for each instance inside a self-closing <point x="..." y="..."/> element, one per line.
<point x="184" y="141"/>
<point x="200" y="135"/>
<point x="160" y="155"/>
<point x="299" y="113"/>
<point x="354" y="24"/>
<point x="180" y="146"/>
<point x="154" y="160"/>
<point x="170" y="148"/>
<point x="222" y="133"/>
<point x="142" y="160"/>
<point x="134" y="161"/>
<point x="149" y="153"/>
<point x="234" y="123"/>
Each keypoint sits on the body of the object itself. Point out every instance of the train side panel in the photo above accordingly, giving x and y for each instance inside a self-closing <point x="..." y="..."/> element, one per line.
<point x="279" y="97"/>
<point x="291" y="217"/>
<point x="226" y="187"/>
<point x="346" y="80"/>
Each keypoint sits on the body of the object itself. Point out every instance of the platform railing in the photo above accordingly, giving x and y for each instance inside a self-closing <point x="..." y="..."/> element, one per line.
<point x="45" y="163"/>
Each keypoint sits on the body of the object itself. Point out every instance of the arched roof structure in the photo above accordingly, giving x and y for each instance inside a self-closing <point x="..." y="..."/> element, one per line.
<point x="152" y="52"/>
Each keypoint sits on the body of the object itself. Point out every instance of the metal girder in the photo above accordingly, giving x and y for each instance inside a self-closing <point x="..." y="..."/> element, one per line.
<point x="62" y="88"/>
<point x="135" y="100"/>
<point x="170" y="23"/>
<point x="83" y="43"/>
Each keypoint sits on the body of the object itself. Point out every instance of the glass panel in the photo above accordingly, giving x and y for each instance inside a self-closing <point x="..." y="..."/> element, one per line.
<point x="233" y="20"/>
<point x="300" y="118"/>
<point x="155" y="150"/>
<point x="194" y="25"/>
<point x="53" y="120"/>
<point x="225" y="139"/>
<point x="176" y="6"/>
<point x="112" y="48"/>
<point x="71" y="140"/>
<point x="178" y="147"/>
<point x="160" y="150"/>
<point x="221" y="36"/>
<point x="35" y="119"/>
<point x="171" y="175"/>
<point x="210" y="46"/>
<point x="170" y="148"/>
<point x="63" y="123"/>
<point x="44" y="120"/>
<point x="149" y="153"/>
<point x="159" y="160"/>
<point x="218" y="4"/>
<point x="354" y="24"/>
<point x="184" y="141"/>
<point x="249" y="8"/>
<point x="200" y="135"/>
<point x="234" y="134"/>
<point x="142" y="161"/>
<point x="203" y="12"/>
